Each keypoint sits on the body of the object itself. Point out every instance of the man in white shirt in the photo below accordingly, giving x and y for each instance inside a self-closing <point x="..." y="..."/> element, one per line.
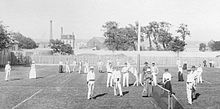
<point x="99" y="64"/>
<point x="199" y="71"/>
<point x="86" y="67"/>
<point x="190" y="82"/>
<point x="154" y="71"/>
<point x="178" y="62"/>
<point x="116" y="75"/>
<point x="167" y="80"/>
<point x="7" y="71"/>
<point x="109" y="74"/>
<point x="90" y="82"/>
<point x="125" y="73"/>
<point x="74" y="65"/>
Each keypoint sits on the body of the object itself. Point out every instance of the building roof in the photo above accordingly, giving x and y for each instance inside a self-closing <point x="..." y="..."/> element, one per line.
<point x="100" y="39"/>
<point x="67" y="36"/>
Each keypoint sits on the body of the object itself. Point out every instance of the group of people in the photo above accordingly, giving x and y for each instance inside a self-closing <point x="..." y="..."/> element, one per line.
<point x="32" y="74"/>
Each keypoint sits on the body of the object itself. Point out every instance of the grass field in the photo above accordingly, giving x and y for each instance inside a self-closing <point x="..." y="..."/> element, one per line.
<point x="53" y="90"/>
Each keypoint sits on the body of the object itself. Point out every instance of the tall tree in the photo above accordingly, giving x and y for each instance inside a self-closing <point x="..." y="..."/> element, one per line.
<point x="202" y="47"/>
<point x="164" y="36"/>
<point x="59" y="47"/>
<point x="5" y="40"/>
<point x="184" y="31"/>
<point x="24" y="42"/>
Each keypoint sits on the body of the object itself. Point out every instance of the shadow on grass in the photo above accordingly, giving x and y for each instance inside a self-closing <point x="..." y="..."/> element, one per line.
<point x="126" y="92"/>
<point x="15" y="79"/>
<point x="196" y="96"/>
<point x="99" y="95"/>
<point x="39" y="77"/>
<point x="131" y="84"/>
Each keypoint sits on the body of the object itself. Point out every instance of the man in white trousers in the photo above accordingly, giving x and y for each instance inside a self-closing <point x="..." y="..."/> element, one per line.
<point x="90" y="82"/>
<point x="125" y="73"/>
<point x="154" y="71"/>
<point x="99" y="64"/>
<point x="190" y="84"/>
<point x="199" y="72"/>
<point x="109" y="74"/>
<point x="116" y="75"/>
<point x="74" y="65"/>
<point x="7" y="71"/>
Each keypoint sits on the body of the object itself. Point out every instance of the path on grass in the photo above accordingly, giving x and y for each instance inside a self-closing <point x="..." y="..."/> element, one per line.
<point x="68" y="91"/>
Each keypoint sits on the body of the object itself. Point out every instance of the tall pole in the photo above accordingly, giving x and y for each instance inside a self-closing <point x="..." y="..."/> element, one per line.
<point x="138" y="54"/>
<point x="51" y="30"/>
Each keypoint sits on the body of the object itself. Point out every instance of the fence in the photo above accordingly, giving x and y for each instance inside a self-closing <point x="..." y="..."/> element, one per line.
<point x="165" y="99"/>
<point x="93" y="59"/>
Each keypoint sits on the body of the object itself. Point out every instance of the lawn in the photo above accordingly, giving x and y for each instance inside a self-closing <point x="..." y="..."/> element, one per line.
<point x="53" y="90"/>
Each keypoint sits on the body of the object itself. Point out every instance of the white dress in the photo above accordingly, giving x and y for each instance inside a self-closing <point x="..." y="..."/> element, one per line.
<point x="32" y="73"/>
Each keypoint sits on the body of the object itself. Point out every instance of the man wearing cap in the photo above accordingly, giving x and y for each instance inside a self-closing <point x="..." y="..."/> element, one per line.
<point x="199" y="71"/>
<point x="190" y="84"/>
<point x="90" y="82"/>
<point x="144" y="71"/>
<point x="116" y="75"/>
<point x="7" y="71"/>
<point x="148" y="77"/>
<point x="167" y="80"/>
<point x="125" y="73"/>
<point x="109" y="74"/>
<point x="154" y="71"/>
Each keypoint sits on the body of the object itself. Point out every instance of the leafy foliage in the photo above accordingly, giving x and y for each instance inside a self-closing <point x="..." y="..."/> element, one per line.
<point x="202" y="47"/>
<point x="5" y="40"/>
<point x="24" y="42"/>
<point x="59" y="47"/>
<point x="214" y="45"/>
<point x="177" y="45"/>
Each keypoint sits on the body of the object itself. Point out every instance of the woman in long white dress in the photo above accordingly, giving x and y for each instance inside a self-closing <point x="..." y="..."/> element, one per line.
<point x="32" y="73"/>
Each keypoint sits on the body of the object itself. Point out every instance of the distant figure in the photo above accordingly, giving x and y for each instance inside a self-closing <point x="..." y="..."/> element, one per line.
<point x="146" y="66"/>
<point x="180" y="73"/>
<point x="116" y="75"/>
<point x="86" y="67"/>
<point x="148" y="79"/>
<point x="205" y="63"/>
<point x="199" y="72"/>
<point x="80" y="67"/>
<point x="67" y="67"/>
<point x="74" y="65"/>
<point x="90" y="82"/>
<point x="109" y="74"/>
<point x="125" y="76"/>
<point x="133" y="71"/>
<point x="178" y="62"/>
<point x="210" y="63"/>
<point x="7" y="71"/>
<point x="60" y="67"/>
<point x="155" y="72"/>
<point x="185" y="65"/>
<point x="167" y="80"/>
<point x="99" y="64"/>
<point x="32" y="73"/>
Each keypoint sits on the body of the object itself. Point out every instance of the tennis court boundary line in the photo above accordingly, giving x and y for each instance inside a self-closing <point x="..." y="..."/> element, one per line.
<point x="27" y="99"/>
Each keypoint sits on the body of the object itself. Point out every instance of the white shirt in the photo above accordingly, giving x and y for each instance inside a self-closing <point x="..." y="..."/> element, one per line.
<point x="178" y="62"/>
<point x="116" y="74"/>
<point x="90" y="75"/>
<point x="154" y="70"/>
<point x="109" y="68"/>
<point x="180" y="69"/>
<point x="166" y="76"/>
<point x="199" y="69"/>
<point x="99" y="63"/>
<point x="7" y="67"/>
<point x="125" y="69"/>
<point x="190" y="77"/>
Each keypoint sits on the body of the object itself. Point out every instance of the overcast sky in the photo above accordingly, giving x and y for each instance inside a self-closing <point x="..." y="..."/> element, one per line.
<point x="86" y="17"/>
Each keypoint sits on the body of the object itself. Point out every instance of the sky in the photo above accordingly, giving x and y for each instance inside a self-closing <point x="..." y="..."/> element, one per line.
<point x="85" y="18"/>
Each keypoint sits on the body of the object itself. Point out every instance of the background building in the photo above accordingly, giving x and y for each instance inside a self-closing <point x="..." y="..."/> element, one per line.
<point x="68" y="39"/>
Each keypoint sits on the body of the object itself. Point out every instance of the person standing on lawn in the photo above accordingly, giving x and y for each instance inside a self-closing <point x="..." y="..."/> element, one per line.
<point x="74" y="65"/>
<point x="7" y="71"/>
<point x="32" y="73"/>
<point x="116" y="75"/>
<point x="109" y="74"/>
<point x="180" y="73"/>
<point x="125" y="73"/>
<point x="199" y="71"/>
<point x="167" y="80"/>
<point x="148" y="79"/>
<point x="154" y="71"/>
<point x="99" y="64"/>
<point x="190" y="84"/>
<point x="90" y="82"/>
<point x="86" y="67"/>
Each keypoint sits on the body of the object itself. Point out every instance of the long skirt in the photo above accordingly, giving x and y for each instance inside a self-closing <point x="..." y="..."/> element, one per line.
<point x="60" y="69"/>
<point x="180" y="76"/>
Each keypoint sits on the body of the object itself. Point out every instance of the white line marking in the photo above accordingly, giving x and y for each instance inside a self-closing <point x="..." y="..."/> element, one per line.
<point x="207" y="81"/>
<point x="27" y="99"/>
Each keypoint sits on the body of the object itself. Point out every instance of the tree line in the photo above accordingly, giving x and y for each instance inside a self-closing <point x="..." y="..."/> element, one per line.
<point x="157" y="34"/>
<point x="7" y="39"/>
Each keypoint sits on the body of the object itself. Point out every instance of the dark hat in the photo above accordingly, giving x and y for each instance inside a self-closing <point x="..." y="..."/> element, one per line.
<point x="146" y="63"/>
<point x="193" y="67"/>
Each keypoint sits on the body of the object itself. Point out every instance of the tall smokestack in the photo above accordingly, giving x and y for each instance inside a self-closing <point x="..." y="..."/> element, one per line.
<point x="51" y="30"/>
<point x="61" y="31"/>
